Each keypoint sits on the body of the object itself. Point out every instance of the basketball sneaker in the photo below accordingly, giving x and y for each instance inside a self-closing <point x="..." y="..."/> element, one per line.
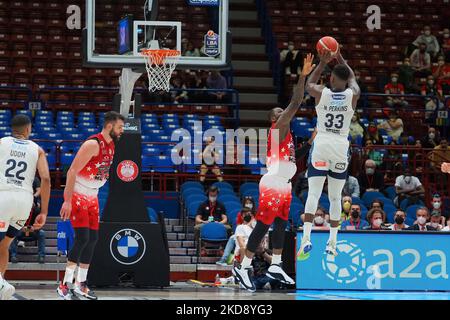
<point x="331" y="248"/>
<point x="82" y="289"/>
<point x="243" y="276"/>
<point x="276" y="272"/>
<point x="305" y="249"/>
<point x="6" y="289"/>
<point x="65" y="292"/>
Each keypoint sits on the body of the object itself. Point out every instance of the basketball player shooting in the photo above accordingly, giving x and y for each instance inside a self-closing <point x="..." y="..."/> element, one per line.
<point x="19" y="159"/>
<point x="275" y="188"/>
<point x="87" y="174"/>
<point x="329" y="152"/>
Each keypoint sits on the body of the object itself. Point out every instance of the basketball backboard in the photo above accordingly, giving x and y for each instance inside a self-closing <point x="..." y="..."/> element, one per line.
<point x="116" y="31"/>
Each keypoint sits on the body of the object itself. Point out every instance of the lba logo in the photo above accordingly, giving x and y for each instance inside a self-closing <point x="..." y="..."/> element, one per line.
<point x="347" y="266"/>
<point x="127" y="171"/>
<point x="127" y="246"/>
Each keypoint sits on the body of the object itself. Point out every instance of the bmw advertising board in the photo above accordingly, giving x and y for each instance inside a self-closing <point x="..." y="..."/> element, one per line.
<point x="377" y="261"/>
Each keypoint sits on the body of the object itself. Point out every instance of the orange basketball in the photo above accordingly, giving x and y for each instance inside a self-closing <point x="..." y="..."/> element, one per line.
<point x="327" y="44"/>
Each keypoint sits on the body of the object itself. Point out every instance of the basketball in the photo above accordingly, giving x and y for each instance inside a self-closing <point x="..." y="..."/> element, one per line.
<point x="327" y="44"/>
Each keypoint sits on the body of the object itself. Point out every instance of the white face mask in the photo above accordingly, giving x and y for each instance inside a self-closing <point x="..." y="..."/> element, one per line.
<point x="249" y="205"/>
<point x="437" y="204"/>
<point x="253" y="223"/>
<point x="408" y="179"/>
<point x="434" y="225"/>
<point x="319" y="220"/>
<point x="421" y="220"/>
<point x="446" y="35"/>
<point x="378" y="222"/>
<point x="431" y="135"/>
<point x="212" y="199"/>
<point x="291" y="48"/>
<point x="428" y="32"/>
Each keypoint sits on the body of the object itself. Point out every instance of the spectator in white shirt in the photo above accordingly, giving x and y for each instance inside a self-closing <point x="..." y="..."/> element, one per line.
<point x="243" y="232"/>
<point x="399" y="218"/>
<point x="408" y="187"/>
<point x="430" y="40"/>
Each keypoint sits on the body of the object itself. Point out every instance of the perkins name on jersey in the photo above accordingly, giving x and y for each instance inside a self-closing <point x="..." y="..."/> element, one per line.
<point x="336" y="108"/>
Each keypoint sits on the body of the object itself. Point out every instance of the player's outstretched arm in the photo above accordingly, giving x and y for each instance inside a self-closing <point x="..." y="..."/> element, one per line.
<point x="88" y="150"/>
<point x="44" y="174"/>
<point x="312" y="87"/>
<point x="445" y="167"/>
<point x="352" y="83"/>
<point x="298" y="93"/>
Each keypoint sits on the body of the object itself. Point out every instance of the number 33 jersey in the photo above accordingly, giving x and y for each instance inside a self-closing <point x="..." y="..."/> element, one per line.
<point x="334" y="113"/>
<point x="18" y="162"/>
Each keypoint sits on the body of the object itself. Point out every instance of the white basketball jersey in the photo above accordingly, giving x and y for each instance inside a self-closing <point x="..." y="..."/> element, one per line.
<point x="18" y="162"/>
<point x="335" y="112"/>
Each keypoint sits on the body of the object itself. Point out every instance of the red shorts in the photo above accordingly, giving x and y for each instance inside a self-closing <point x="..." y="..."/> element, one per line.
<point x="274" y="199"/>
<point x="85" y="212"/>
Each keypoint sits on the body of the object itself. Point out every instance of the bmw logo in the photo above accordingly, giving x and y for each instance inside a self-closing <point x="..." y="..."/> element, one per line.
<point x="347" y="266"/>
<point x="127" y="246"/>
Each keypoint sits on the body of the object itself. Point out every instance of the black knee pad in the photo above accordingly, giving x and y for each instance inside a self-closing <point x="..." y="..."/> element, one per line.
<point x="256" y="236"/>
<point x="80" y="242"/>
<point x="278" y="233"/>
<point x="88" y="252"/>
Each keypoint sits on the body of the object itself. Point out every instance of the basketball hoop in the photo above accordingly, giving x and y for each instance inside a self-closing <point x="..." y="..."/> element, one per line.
<point x="160" y="64"/>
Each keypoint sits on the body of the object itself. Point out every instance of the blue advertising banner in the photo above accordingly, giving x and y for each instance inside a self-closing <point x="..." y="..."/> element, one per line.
<point x="213" y="3"/>
<point x="377" y="261"/>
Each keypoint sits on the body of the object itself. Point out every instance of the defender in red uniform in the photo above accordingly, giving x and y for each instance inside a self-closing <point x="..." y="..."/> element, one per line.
<point x="88" y="173"/>
<point x="275" y="188"/>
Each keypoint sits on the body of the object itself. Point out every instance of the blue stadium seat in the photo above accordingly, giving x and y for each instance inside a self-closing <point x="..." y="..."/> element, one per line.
<point x="390" y="211"/>
<point x="232" y="205"/>
<point x="224" y="198"/>
<point x="67" y="159"/>
<point x="222" y="185"/>
<point x="295" y="211"/>
<point x="189" y="184"/>
<point x="411" y="211"/>
<point x="192" y="209"/>
<point x="213" y="232"/>
<point x="151" y="151"/>
<point x="248" y="186"/>
<point x="152" y="215"/>
<point x="369" y="196"/>
<point x="390" y="192"/>
<point x="53" y="136"/>
<point x="196" y="195"/>
<point x="25" y="112"/>
<point x="163" y="164"/>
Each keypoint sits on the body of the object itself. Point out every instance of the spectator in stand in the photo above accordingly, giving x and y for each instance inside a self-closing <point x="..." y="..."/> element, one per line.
<point x="431" y="140"/>
<point x="446" y="43"/>
<point x="447" y="225"/>
<point x="440" y="154"/>
<point x="195" y="81"/>
<point x="393" y="126"/>
<point x="377" y="204"/>
<point x="362" y="102"/>
<point x="261" y="263"/>
<point x="373" y="154"/>
<point x="28" y="233"/>
<point x="376" y="218"/>
<point x="430" y="41"/>
<point x="436" y="220"/>
<point x="211" y="211"/>
<point x="191" y="51"/>
<point x="290" y="59"/>
<point x="210" y="157"/>
<point x="346" y="206"/>
<point x="320" y="220"/>
<point x="421" y="61"/>
<point x="394" y="87"/>
<point x="432" y="91"/>
<point x="436" y="205"/>
<point x="178" y="96"/>
<point x="442" y="75"/>
<point x="399" y="218"/>
<point x="355" y="222"/>
<point x="370" y="179"/>
<point x="408" y="187"/>
<point x="351" y="187"/>
<point x="356" y="128"/>
<point x="406" y="77"/>
<point x="422" y="216"/>
<point x="217" y="81"/>
<point x="373" y="134"/>
<point x="242" y="233"/>
<point x="392" y="161"/>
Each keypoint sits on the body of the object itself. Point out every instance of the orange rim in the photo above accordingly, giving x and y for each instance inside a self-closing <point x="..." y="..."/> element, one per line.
<point x="159" y="56"/>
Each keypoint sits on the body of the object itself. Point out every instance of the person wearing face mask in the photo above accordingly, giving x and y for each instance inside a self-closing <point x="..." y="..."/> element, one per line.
<point x="408" y="187"/>
<point x="406" y="77"/>
<point x="447" y="225"/>
<point x="356" y="128"/>
<point x="370" y="179"/>
<point x="393" y="125"/>
<point x="211" y="211"/>
<point x="430" y="41"/>
<point x="399" y="218"/>
<point x="436" y="220"/>
<point x="422" y="216"/>
<point x="351" y="187"/>
<point x="434" y="90"/>
<point x="210" y="157"/>
<point x="355" y="222"/>
<point x="446" y="43"/>
<point x="320" y="221"/>
<point x="373" y="135"/>
<point x="346" y="206"/>
<point x="442" y="75"/>
<point x="437" y="205"/>
<point x="363" y="101"/>
<point x="421" y="61"/>
<point x="290" y="59"/>
<point x="376" y="217"/>
<point x="431" y="140"/>
<point x="395" y="87"/>
<point x="242" y="233"/>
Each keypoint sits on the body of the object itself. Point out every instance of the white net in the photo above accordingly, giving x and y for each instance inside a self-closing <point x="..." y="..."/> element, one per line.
<point x="160" y="64"/>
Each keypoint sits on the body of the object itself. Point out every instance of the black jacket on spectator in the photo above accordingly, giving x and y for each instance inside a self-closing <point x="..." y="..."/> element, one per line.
<point x="206" y="210"/>
<point x="376" y="181"/>
<point x="415" y="227"/>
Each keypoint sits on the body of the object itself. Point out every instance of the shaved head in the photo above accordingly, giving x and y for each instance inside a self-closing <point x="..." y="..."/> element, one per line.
<point x="274" y="114"/>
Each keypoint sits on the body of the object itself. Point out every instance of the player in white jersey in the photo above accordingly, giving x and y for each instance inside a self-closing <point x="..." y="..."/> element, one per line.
<point x="329" y="152"/>
<point x="19" y="159"/>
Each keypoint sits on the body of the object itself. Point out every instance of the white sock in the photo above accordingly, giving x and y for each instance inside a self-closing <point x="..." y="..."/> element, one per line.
<point x="82" y="275"/>
<point x="307" y="227"/>
<point x="68" y="277"/>
<point x="333" y="234"/>
<point x="276" y="258"/>
<point x="246" y="262"/>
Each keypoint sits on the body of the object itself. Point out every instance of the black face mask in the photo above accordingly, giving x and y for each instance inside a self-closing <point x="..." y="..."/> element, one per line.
<point x="399" y="220"/>
<point x="355" y="214"/>
<point x="247" y="218"/>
